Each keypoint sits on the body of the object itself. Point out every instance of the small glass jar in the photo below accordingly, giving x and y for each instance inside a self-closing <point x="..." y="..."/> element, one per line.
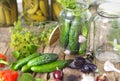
<point x="74" y="29"/>
<point x="35" y="10"/>
<point x="8" y="12"/>
<point x="106" y="34"/>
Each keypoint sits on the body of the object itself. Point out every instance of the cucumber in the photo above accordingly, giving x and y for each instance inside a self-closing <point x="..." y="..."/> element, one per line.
<point x="84" y="32"/>
<point x="44" y="58"/>
<point x="83" y="48"/>
<point x="24" y="61"/>
<point x="73" y="44"/>
<point x="50" y="67"/>
<point x="64" y="34"/>
<point x="26" y="68"/>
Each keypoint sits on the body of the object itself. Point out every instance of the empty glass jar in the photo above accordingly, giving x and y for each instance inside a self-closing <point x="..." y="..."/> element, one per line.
<point x="106" y="35"/>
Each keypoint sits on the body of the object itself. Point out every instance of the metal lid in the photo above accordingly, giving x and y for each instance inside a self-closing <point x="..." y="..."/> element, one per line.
<point x="109" y="9"/>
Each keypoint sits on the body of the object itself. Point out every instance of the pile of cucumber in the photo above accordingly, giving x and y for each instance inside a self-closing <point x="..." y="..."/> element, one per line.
<point x="70" y="32"/>
<point x="40" y="62"/>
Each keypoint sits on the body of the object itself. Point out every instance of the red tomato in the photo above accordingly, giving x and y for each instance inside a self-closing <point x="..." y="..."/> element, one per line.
<point x="2" y="58"/>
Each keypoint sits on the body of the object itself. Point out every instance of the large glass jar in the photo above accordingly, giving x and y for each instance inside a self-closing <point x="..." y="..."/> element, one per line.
<point x="8" y="12"/>
<point x="35" y="10"/>
<point x="74" y="29"/>
<point x="106" y="35"/>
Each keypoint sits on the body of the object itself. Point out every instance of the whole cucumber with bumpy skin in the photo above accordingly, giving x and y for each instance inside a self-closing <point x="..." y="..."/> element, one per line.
<point x="73" y="44"/>
<point x="50" y="67"/>
<point x="44" y="58"/>
<point x="84" y="32"/>
<point x="24" y="61"/>
<point x="64" y="33"/>
<point x="26" y="68"/>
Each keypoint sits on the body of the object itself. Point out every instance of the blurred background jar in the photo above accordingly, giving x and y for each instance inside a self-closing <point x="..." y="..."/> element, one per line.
<point x="55" y="10"/>
<point x="8" y="12"/>
<point x="106" y="34"/>
<point x="74" y="28"/>
<point x="35" y="10"/>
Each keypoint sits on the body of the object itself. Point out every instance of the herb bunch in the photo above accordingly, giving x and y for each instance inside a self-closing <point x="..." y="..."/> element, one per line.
<point x="67" y="3"/>
<point x="23" y="41"/>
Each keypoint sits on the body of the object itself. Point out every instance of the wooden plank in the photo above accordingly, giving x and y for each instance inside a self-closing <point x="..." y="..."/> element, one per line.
<point x="58" y="51"/>
<point x="117" y="75"/>
<point x="41" y="75"/>
<point x="72" y="72"/>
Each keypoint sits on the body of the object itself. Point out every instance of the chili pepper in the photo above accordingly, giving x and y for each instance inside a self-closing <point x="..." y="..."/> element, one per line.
<point x="3" y="60"/>
<point x="8" y="75"/>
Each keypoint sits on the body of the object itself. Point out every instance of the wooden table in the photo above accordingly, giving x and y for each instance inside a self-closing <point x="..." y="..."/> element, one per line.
<point x="6" y="49"/>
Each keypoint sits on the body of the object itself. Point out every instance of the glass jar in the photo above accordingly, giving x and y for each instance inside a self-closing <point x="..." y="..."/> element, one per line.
<point x="56" y="9"/>
<point x="106" y="35"/>
<point x="8" y="12"/>
<point x="74" y="29"/>
<point x="35" y="10"/>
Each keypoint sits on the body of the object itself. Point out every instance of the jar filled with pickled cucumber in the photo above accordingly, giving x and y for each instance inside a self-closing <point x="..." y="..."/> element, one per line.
<point x="35" y="10"/>
<point x="8" y="12"/>
<point x="74" y="27"/>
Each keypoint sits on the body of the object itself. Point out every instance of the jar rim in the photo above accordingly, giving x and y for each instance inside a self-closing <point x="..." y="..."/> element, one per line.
<point x="78" y="4"/>
<point x="109" y="9"/>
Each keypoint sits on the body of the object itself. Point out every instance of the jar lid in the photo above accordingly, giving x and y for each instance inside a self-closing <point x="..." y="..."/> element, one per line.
<point x="111" y="9"/>
<point x="113" y="1"/>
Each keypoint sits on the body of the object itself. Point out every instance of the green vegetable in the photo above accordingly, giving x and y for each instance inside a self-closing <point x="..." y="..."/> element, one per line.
<point x="82" y="48"/>
<point x="26" y="68"/>
<point x="44" y="58"/>
<point x="64" y="34"/>
<point x="73" y="44"/>
<point x="16" y="54"/>
<point x="26" y="77"/>
<point x="84" y="32"/>
<point x="23" y="61"/>
<point x="50" y="67"/>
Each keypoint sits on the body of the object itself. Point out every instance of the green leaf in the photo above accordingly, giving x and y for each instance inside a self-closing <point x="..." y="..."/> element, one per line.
<point x="26" y="77"/>
<point x="16" y="54"/>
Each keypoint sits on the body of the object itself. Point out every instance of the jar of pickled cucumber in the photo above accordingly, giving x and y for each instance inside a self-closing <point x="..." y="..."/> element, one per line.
<point x="35" y="10"/>
<point x="106" y="32"/>
<point x="8" y="12"/>
<point x="74" y="29"/>
<point x="56" y="9"/>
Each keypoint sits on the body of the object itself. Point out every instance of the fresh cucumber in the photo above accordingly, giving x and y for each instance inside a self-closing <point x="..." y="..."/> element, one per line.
<point x="24" y="61"/>
<point x="44" y="58"/>
<point x="73" y="44"/>
<point x="50" y="67"/>
<point x="64" y="34"/>
<point x="26" y="68"/>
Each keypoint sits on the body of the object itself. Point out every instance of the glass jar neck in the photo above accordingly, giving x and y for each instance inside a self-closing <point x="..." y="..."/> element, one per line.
<point x="107" y="15"/>
<point x="109" y="10"/>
